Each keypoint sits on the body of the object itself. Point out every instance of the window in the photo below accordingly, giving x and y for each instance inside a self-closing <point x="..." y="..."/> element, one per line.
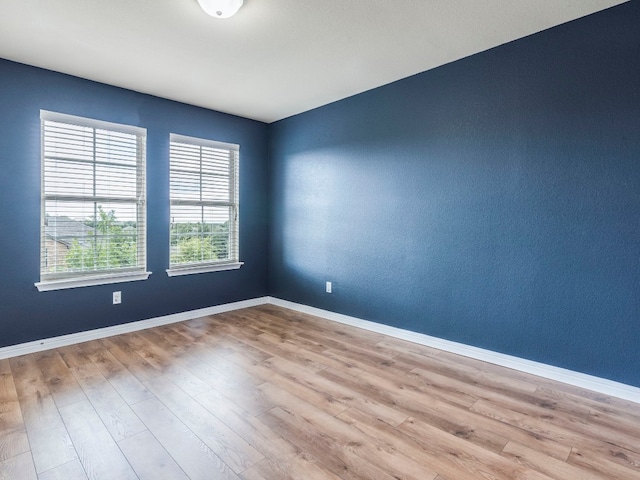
<point x="93" y="202"/>
<point x="204" y="206"/>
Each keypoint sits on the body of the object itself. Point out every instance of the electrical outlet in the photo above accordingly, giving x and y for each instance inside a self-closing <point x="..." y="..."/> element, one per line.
<point x="328" y="287"/>
<point x="117" y="298"/>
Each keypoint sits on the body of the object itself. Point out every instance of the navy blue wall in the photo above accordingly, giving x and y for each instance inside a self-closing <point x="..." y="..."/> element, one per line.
<point x="494" y="201"/>
<point x="25" y="313"/>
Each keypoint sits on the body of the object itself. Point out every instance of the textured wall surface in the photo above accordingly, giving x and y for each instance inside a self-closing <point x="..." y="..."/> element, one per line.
<point x="25" y="313"/>
<point x="494" y="201"/>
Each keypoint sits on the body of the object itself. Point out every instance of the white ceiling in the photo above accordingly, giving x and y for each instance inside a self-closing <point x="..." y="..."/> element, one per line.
<point x="275" y="58"/>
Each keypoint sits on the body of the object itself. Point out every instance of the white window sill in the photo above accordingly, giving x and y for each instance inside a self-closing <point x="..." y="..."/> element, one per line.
<point x="64" y="283"/>
<point x="191" y="270"/>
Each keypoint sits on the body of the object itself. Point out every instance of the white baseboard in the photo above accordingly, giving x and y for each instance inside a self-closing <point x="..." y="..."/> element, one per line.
<point x="596" y="384"/>
<point x="64" y="340"/>
<point x="590" y="382"/>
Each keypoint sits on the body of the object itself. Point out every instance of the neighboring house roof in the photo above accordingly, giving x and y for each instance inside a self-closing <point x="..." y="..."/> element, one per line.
<point x="65" y="230"/>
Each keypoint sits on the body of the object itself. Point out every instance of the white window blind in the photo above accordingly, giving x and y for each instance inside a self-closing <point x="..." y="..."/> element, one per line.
<point x="93" y="202"/>
<point x="204" y="205"/>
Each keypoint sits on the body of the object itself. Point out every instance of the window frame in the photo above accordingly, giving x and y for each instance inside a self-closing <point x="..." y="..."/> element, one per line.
<point x="64" y="280"/>
<point x="206" y="266"/>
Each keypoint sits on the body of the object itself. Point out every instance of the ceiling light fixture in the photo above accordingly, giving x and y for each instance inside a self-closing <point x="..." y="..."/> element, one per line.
<point x="221" y="8"/>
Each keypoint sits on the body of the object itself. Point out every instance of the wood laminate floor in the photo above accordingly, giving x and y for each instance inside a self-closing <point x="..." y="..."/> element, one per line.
<point x="268" y="393"/>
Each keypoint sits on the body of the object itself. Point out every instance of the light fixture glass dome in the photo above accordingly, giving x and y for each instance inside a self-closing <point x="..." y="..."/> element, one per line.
<point x="221" y="8"/>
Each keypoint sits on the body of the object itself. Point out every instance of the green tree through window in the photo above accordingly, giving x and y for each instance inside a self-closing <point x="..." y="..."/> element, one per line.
<point x="111" y="246"/>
